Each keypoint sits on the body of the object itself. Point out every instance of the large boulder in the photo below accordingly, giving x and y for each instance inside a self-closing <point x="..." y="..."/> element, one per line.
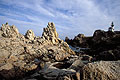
<point x="103" y="70"/>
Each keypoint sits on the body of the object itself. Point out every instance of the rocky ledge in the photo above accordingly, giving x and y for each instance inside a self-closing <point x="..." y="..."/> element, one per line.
<point x="28" y="57"/>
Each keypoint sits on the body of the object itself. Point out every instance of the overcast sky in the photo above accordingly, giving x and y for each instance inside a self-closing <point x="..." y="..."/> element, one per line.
<point x="71" y="17"/>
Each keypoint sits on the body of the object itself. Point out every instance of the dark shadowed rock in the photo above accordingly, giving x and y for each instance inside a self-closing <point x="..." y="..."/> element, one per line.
<point x="103" y="45"/>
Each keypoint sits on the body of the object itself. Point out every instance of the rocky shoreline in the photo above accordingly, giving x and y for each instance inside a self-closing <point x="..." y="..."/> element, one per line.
<point x="28" y="57"/>
<point x="103" y="45"/>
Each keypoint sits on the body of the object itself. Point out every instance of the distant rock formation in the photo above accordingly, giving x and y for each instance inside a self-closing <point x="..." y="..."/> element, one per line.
<point x="80" y="40"/>
<point x="103" y="45"/>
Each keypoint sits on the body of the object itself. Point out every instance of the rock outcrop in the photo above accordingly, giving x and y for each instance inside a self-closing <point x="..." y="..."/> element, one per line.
<point x="103" y="45"/>
<point x="48" y="57"/>
<point x="54" y="73"/>
<point x="9" y="31"/>
<point x="21" y="54"/>
<point x="50" y="33"/>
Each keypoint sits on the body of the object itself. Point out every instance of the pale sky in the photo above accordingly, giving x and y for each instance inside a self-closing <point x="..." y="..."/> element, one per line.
<point x="71" y="17"/>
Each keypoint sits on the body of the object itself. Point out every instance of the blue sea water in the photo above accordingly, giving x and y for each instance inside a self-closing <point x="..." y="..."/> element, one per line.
<point x="77" y="49"/>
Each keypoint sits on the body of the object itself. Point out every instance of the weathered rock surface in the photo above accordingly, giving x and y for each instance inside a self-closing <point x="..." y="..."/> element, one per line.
<point x="56" y="71"/>
<point x="50" y="33"/>
<point x="27" y="57"/>
<point x="103" y="70"/>
<point x="9" y="31"/>
<point x="21" y="54"/>
<point x="30" y="35"/>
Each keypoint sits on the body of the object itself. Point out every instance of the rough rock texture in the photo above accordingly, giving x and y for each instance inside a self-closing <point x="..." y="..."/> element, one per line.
<point x="105" y="45"/>
<point x="103" y="70"/>
<point x="9" y="31"/>
<point x="55" y="73"/>
<point x="27" y="57"/>
<point x="20" y="55"/>
<point x="30" y="35"/>
<point x="50" y="33"/>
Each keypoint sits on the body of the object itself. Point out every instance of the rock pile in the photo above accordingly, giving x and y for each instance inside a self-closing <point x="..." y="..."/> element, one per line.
<point x="20" y="54"/>
<point x="9" y="31"/>
<point x="79" y="41"/>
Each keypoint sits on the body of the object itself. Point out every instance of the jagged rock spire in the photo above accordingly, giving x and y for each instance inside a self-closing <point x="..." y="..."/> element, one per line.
<point x="49" y="33"/>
